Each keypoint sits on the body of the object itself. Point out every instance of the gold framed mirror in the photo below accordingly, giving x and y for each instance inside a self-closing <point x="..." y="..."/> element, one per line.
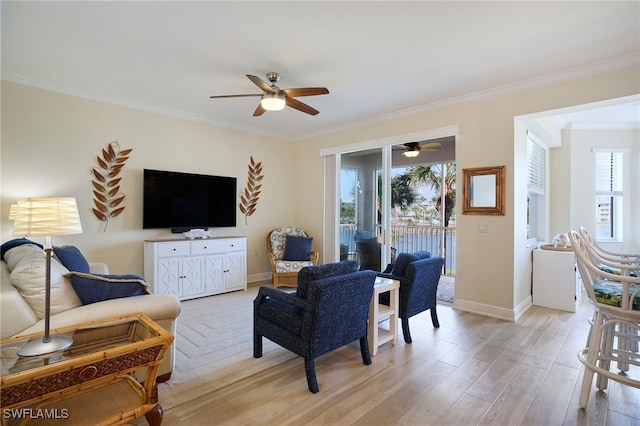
<point x="483" y="190"/>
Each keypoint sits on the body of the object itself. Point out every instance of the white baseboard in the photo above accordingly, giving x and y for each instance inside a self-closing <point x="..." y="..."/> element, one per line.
<point x="523" y="307"/>
<point x="486" y="310"/>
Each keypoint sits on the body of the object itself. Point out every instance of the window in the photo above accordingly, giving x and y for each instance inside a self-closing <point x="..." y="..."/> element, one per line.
<point x="608" y="208"/>
<point x="536" y="187"/>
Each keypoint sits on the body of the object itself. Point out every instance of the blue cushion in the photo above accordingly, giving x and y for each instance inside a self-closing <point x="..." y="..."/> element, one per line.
<point x="96" y="288"/>
<point x="610" y="293"/>
<point x="72" y="259"/>
<point x="15" y="243"/>
<point x="297" y="248"/>
<point x="404" y="259"/>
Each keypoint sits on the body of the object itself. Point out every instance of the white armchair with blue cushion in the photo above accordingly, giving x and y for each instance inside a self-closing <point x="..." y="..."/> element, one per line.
<point x="289" y="251"/>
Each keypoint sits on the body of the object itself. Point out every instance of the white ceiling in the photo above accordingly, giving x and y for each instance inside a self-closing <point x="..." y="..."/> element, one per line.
<point x="378" y="59"/>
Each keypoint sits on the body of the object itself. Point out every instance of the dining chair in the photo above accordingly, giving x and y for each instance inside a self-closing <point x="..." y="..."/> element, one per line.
<point x="616" y="299"/>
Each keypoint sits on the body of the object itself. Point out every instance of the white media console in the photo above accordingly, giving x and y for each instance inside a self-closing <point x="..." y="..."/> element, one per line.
<point x="196" y="268"/>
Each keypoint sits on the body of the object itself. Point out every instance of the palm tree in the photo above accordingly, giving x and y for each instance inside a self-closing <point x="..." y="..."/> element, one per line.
<point x="402" y="193"/>
<point x="432" y="175"/>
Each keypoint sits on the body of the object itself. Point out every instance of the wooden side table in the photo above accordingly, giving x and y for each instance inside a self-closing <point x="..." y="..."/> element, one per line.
<point x="92" y="382"/>
<point x="379" y="312"/>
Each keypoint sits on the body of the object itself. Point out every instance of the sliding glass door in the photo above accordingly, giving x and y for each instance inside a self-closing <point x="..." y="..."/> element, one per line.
<point x="363" y="211"/>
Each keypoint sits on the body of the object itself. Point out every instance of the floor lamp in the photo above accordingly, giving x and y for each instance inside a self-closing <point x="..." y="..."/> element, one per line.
<point x="45" y="217"/>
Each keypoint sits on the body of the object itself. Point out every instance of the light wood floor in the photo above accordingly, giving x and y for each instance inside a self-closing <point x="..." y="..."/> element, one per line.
<point x="472" y="370"/>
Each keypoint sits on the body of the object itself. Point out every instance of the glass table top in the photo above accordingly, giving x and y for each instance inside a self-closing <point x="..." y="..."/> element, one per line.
<point x="89" y="338"/>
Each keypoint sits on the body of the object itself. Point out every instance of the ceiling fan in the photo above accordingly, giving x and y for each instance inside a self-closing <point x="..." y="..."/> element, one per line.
<point x="275" y="98"/>
<point x="414" y="148"/>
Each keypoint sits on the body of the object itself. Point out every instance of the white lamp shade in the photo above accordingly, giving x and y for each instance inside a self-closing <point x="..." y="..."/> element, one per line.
<point x="411" y="154"/>
<point x="44" y="217"/>
<point x="12" y="212"/>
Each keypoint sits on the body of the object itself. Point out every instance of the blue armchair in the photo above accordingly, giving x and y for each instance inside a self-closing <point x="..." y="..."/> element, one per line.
<point x="419" y="276"/>
<point x="328" y="310"/>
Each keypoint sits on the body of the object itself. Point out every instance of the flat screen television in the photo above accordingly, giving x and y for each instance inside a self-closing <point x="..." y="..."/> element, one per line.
<point x="184" y="201"/>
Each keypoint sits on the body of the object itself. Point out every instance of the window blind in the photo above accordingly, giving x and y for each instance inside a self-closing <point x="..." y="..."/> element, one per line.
<point x="609" y="173"/>
<point x="536" y="167"/>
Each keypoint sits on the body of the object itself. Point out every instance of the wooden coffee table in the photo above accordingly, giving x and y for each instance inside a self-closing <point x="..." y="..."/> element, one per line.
<point x="92" y="382"/>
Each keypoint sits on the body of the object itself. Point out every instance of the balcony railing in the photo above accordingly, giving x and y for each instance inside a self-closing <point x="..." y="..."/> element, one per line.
<point x="409" y="239"/>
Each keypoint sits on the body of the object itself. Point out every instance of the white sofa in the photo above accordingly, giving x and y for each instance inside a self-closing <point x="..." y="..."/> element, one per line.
<point x="22" y="305"/>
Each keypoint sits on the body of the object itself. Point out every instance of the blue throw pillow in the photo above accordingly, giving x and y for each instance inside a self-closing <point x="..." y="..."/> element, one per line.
<point x="72" y="259"/>
<point x="96" y="288"/>
<point x="15" y="243"/>
<point x="297" y="248"/>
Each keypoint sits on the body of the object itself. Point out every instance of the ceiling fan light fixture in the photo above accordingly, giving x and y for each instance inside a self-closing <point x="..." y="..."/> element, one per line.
<point x="412" y="151"/>
<point x="273" y="101"/>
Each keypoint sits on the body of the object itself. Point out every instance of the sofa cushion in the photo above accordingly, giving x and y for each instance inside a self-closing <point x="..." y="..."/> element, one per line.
<point x="15" y="313"/>
<point x="28" y="274"/>
<point x="297" y="248"/>
<point x="15" y="243"/>
<point x="72" y="259"/>
<point x="284" y="266"/>
<point x="403" y="260"/>
<point x="92" y="288"/>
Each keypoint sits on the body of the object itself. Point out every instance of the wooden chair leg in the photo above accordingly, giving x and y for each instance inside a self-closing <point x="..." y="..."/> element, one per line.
<point x="405" y="330"/>
<point x="364" y="350"/>
<point x="310" y="369"/>
<point x="434" y="317"/>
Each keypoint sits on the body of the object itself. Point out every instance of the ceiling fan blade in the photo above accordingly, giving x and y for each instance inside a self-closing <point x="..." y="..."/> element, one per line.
<point x="259" y="111"/>
<point x="430" y="145"/>
<point x="306" y="91"/>
<point x="296" y="104"/>
<point x="260" y="83"/>
<point x="233" y="96"/>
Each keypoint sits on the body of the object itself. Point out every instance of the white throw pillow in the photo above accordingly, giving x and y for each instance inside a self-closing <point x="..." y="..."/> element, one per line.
<point x="28" y="266"/>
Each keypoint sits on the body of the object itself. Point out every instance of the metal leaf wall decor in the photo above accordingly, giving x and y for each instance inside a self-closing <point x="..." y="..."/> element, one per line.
<point x="249" y="198"/>
<point x="108" y="198"/>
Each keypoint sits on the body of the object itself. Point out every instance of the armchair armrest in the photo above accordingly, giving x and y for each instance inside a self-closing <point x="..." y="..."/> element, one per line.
<point x="404" y="281"/>
<point x="98" y="268"/>
<point x="281" y="296"/>
<point x="387" y="275"/>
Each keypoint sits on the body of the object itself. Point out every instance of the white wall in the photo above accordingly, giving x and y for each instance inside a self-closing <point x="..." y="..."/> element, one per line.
<point x="50" y="142"/>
